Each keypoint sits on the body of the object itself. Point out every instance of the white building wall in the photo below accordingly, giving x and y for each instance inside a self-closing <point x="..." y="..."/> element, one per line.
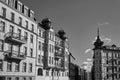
<point x="28" y="44"/>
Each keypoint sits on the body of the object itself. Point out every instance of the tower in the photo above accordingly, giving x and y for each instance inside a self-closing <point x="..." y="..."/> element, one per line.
<point x="97" y="57"/>
<point x="98" y="43"/>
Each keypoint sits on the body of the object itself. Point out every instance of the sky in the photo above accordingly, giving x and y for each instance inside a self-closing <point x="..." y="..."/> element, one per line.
<point x="80" y="19"/>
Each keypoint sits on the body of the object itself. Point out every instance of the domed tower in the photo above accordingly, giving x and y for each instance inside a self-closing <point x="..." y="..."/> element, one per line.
<point x="98" y="43"/>
<point x="63" y="37"/>
<point x="62" y="33"/>
<point x="97" y="58"/>
<point x="46" y="23"/>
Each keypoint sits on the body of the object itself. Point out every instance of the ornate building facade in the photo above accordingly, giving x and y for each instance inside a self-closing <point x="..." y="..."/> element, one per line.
<point x="30" y="50"/>
<point x="106" y="62"/>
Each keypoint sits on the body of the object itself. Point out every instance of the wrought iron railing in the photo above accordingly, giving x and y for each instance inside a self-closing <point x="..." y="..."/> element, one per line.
<point x="15" y="36"/>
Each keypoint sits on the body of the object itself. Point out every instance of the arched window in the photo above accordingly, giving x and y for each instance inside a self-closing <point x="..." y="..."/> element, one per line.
<point x="40" y="71"/>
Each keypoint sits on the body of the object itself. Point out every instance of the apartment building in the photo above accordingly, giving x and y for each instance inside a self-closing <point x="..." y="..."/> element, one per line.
<point x="106" y="61"/>
<point x="18" y="33"/>
<point x="52" y="55"/>
<point x="30" y="50"/>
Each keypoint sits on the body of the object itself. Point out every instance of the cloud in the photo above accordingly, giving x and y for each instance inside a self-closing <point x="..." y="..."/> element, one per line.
<point x="105" y="23"/>
<point x="87" y="50"/>
<point x="85" y="63"/>
<point x="89" y="60"/>
<point x="107" y="40"/>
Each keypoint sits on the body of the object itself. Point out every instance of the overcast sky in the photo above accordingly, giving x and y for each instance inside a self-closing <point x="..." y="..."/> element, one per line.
<point x="80" y="19"/>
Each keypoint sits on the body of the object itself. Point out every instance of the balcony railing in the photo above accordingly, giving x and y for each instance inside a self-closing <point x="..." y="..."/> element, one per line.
<point x="15" y="38"/>
<point x="58" y="55"/>
<point x="57" y="46"/>
<point x="58" y="67"/>
<point x="11" y="54"/>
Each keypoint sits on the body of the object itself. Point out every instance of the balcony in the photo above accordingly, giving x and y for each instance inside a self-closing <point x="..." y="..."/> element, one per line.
<point x="15" y="55"/>
<point x="58" y="55"/>
<point x="57" y="67"/>
<point x="58" y="46"/>
<point x="15" y="38"/>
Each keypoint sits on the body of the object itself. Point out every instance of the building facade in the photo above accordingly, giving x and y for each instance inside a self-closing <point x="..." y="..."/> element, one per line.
<point x="106" y="61"/>
<point x="30" y="50"/>
<point x="52" y="53"/>
<point x="17" y="41"/>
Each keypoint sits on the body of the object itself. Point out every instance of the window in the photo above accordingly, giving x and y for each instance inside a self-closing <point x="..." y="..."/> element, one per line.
<point x="25" y="11"/>
<point x="39" y="58"/>
<point x="24" y="66"/>
<point x="19" y="7"/>
<point x="31" y="52"/>
<point x="40" y="72"/>
<point x="32" y="28"/>
<point x="47" y="72"/>
<point x="1" y="45"/>
<point x="9" y="66"/>
<point x="12" y="16"/>
<point x="25" y="50"/>
<point x="31" y="38"/>
<point x="20" y="21"/>
<point x="19" y="33"/>
<point x="52" y="60"/>
<point x="16" y="78"/>
<point x="30" y="78"/>
<point x="62" y="73"/>
<point x="10" y="2"/>
<point x="9" y="78"/>
<point x="31" y="14"/>
<point x="119" y="75"/>
<point x="30" y="67"/>
<point x="26" y="36"/>
<point x="40" y="45"/>
<point x="40" y="33"/>
<point x="16" y="67"/>
<point x="1" y="65"/>
<point x="11" y="29"/>
<point x="24" y="78"/>
<point x="3" y="12"/>
<point x="2" y="26"/>
<point x="26" y="24"/>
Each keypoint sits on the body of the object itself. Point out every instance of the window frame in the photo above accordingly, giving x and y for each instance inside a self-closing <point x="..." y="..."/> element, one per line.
<point x="9" y="66"/>
<point x="2" y="26"/>
<point x="30" y="67"/>
<point x="17" y="66"/>
<point x="1" y="65"/>
<point x="12" y="16"/>
<point x="1" y="45"/>
<point x="24" y="67"/>
<point x="4" y="12"/>
<point x="20" y="21"/>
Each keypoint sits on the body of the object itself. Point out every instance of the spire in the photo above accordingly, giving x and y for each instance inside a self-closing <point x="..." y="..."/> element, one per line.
<point x="98" y="43"/>
<point x="98" y="32"/>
